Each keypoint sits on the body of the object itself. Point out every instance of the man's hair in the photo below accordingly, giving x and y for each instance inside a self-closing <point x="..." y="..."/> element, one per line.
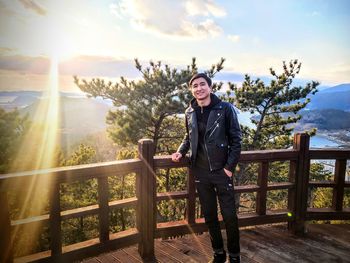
<point x="200" y="75"/>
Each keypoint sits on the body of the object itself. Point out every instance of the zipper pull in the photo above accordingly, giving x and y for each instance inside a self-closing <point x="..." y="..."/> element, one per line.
<point x="202" y="109"/>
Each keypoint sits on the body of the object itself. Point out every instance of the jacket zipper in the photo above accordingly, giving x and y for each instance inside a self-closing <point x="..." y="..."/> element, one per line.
<point x="217" y="125"/>
<point x="206" y="148"/>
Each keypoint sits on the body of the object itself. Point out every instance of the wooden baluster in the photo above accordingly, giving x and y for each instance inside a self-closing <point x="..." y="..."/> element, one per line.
<point x="191" y="202"/>
<point x="339" y="179"/>
<point x="6" y="249"/>
<point x="292" y="192"/>
<point x="103" y="211"/>
<point x="55" y="221"/>
<point x="262" y="193"/>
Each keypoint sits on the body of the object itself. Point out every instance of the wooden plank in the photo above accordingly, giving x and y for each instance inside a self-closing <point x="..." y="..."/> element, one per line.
<point x="327" y="154"/>
<point x="262" y="183"/>
<point x="121" y="256"/>
<point x="327" y="214"/>
<point x="178" y="228"/>
<point x="308" y="248"/>
<point x="106" y="258"/>
<point x="246" y="156"/>
<point x="166" y="254"/>
<point x="246" y="188"/>
<point x="338" y="232"/>
<point x="91" y="260"/>
<point x="70" y="173"/>
<point x="163" y="162"/>
<point x="103" y="211"/>
<point x="339" y="179"/>
<point x="268" y="155"/>
<point x="172" y="195"/>
<point x="189" y="246"/>
<point x="280" y="186"/>
<point x="77" y="212"/>
<point x="322" y="184"/>
<point x="134" y="253"/>
<point x="252" y="219"/>
<point x="262" y="251"/>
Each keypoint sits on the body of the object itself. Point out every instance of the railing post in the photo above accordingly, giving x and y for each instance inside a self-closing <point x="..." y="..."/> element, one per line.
<point x="103" y="211"/>
<point x="146" y="210"/>
<point x="292" y="192"/>
<point x="6" y="249"/>
<point x="262" y="193"/>
<point x="301" y="143"/>
<point x="55" y="222"/>
<point x="339" y="179"/>
<point x="191" y="202"/>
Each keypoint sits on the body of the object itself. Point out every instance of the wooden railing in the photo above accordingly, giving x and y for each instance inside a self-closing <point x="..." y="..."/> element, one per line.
<point x="145" y="201"/>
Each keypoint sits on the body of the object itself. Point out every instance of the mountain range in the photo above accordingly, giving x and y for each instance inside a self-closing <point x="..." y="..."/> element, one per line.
<point x="337" y="97"/>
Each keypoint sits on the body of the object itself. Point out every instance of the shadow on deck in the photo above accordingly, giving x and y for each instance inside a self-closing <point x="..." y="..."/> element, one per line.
<point x="269" y="243"/>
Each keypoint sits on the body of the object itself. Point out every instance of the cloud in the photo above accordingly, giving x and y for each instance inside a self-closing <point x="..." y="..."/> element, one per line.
<point x="234" y="38"/>
<point x="184" y="19"/>
<point x="6" y="50"/>
<point x="99" y="66"/>
<point x="32" y="5"/>
<point x="24" y="64"/>
<point x="82" y="66"/>
<point x="32" y="73"/>
<point x="206" y="8"/>
<point x="4" y="10"/>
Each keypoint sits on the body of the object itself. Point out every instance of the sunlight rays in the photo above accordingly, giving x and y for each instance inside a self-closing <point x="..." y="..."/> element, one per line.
<point x="39" y="150"/>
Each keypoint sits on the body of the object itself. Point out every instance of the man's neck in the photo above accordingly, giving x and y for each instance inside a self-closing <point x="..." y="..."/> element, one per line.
<point x="205" y="102"/>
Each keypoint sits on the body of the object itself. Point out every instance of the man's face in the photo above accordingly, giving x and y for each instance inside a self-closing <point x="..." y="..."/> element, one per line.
<point x="200" y="89"/>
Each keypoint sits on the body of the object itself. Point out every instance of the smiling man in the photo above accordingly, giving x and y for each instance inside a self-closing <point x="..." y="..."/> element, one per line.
<point x="213" y="138"/>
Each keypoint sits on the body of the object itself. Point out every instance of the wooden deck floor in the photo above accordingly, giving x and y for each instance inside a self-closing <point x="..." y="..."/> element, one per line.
<point x="322" y="243"/>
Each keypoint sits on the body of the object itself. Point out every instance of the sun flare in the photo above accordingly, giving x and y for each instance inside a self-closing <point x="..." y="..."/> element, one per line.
<point x="39" y="151"/>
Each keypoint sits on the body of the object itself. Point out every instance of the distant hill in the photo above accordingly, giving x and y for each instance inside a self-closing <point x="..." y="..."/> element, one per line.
<point x="337" y="97"/>
<point x="339" y="88"/>
<point x="325" y="119"/>
<point x="18" y="99"/>
<point x="79" y="116"/>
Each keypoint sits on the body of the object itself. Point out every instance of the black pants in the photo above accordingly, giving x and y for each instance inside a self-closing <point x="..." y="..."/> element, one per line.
<point x="210" y="186"/>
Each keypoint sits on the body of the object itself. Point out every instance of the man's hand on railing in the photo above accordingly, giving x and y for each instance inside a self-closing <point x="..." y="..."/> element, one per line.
<point x="175" y="157"/>
<point x="228" y="172"/>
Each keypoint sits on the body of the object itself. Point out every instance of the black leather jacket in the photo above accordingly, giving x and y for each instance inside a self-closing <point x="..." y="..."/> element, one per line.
<point x="222" y="137"/>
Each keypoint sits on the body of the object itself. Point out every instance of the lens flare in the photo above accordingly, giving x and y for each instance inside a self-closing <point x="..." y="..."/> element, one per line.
<point x="38" y="151"/>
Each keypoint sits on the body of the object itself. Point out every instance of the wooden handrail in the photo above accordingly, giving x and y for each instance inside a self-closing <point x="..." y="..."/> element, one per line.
<point x="146" y="199"/>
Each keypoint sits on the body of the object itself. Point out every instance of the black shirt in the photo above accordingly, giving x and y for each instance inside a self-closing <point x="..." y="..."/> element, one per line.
<point x="202" y="114"/>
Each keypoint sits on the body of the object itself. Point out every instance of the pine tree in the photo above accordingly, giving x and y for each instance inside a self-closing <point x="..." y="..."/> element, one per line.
<point x="12" y="130"/>
<point x="143" y="107"/>
<point x="275" y="106"/>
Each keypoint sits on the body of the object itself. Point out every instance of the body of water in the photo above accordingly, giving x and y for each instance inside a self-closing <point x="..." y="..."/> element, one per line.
<point x="322" y="142"/>
<point x="315" y="141"/>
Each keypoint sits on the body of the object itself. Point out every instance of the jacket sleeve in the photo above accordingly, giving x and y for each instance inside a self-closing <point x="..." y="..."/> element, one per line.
<point x="234" y="136"/>
<point x="185" y="145"/>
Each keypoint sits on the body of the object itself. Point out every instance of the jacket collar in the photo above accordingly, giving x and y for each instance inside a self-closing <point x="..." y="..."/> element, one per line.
<point x="214" y="101"/>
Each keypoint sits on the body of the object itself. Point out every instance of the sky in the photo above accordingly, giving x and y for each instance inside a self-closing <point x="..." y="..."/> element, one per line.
<point x="102" y="38"/>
